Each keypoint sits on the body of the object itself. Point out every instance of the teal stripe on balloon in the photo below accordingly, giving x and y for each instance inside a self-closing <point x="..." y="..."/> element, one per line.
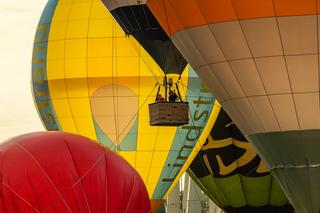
<point x="40" y="87"/>
<point x="129" y="143"/>
<point x="201" y="103"/>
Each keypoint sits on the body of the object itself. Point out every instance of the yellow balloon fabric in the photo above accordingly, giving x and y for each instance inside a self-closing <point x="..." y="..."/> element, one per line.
<point x="89" y="78"/>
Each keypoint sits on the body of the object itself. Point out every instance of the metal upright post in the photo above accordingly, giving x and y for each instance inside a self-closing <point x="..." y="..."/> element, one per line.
<point x="166" y="88"/>
<point x="173" y="200"/>
<point x="193" y="199"/>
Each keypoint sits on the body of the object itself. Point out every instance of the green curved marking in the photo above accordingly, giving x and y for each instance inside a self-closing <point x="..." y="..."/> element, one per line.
<point x="239" y="191"/>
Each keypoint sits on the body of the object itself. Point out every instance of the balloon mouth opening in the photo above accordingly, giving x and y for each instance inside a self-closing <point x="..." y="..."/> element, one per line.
<point x="156" y="204"/>
<point x="293" y="157"/>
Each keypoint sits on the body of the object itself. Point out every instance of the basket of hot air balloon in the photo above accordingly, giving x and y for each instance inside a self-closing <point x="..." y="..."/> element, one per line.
<point x="90" y="78"/>
<point x="138" y="21"/>
<point x="169" y="113"/>
<point x="174" y="112"/>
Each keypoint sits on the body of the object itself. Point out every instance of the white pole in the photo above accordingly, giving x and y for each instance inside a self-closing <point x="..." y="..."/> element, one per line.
<point x="185" y="192"/>
<point x="193" y="197"/>
<point x="213" y="208"/>
<point x="173" y="200"/>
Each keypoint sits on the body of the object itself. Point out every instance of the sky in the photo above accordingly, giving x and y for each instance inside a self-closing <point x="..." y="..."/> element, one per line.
<point x="18" y="21"/>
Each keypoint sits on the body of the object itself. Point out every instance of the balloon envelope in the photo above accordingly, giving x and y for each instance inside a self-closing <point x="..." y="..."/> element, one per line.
<point x="136" y="19"/>
<point x="261" y="61"/>
<point x="89" y="79"/>
<point x="60" y="172"/>
<point x="231" y="173"/>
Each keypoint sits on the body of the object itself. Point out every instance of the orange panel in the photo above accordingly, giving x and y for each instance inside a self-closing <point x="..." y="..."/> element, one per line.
<point x="174" y="23"/>
<point x="184" y="14"/>
<point x="181" y="14"/>
<point x="157" y="8"/>
<point x="166" y="16"/>
<point x="217" y="10"/>
<point x="188" y="12"/>
<point x="249" y="9"/>
<point x="295" y="7"/>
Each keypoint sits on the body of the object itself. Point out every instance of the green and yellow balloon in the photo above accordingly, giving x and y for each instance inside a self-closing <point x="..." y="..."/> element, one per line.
<point x="230" y="172"/>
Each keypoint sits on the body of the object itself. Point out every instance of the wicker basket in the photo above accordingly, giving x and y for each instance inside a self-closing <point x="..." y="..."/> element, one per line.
<point x="169" y="113"/>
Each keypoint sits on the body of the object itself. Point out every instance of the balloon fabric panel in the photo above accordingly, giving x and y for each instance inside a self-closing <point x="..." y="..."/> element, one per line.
<point x="231" y="173"/>
<point x="261" y="60"/>
<point x="60" y="172"/>
<point x="89" y="78"/>
<point x="136" y="19"/>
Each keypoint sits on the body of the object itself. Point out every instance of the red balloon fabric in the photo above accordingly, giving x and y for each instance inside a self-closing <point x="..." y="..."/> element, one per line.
<point x="60" y="172"/>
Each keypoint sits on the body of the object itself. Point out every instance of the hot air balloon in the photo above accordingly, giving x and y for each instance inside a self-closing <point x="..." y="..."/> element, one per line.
<point x="261" y="61"/>
<point x="136" y="19"/>
<point x="231" y="173"/>
<point x="89" y="79"/>
<point x="60" y="172"/>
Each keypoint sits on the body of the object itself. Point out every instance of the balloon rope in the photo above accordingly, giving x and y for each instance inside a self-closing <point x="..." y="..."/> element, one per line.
<point x="135" y="18"/>
<point x="138" y="48"/>
<point x="17" y="194"/>
<point x="114" y="79"/>
<point x="45" y="173"/>
<point x="78" y="175"/>
<point x="146" y="16"/>
<point x="132" y="191"/>
<point x="136" y="114"/>
<point x="167" y="20"/>
<point x="90" y="168"/>
<point x="193" y="93"/>
<point x="179" y="133"/>
<point x="165" y="10"/>
<point x="153" y="151"/>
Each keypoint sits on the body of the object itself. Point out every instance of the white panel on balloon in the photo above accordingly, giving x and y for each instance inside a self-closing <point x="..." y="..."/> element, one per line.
<point x="211" y="80"/>
<point x="262" y="36"/>
<point x="261" y="105"/>
<point x="231" y="40"/>
<point x="274" y="74"/>
<point x="298" y="34"/>
<point x="205" y="41"/>
<point x="248" y="76"/>
<point x="307" y="106"/>
<point x="113" y="4"/>
<point x="250" y="116"/>
<point x="284" y="109"/>
<point x="303" y="73"/>
<point x="318" y="33"/>
<point x="225" y="75"/>
<point x="189" y="49"/>
<point x="237" y="116"/>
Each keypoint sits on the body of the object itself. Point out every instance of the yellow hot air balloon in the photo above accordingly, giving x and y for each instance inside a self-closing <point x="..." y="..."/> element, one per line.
<point x="261" y="61"/>
<point x="89" y="78"/>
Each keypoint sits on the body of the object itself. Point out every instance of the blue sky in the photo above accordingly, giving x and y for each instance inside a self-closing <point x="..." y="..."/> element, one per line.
<point x="18" y="21"/>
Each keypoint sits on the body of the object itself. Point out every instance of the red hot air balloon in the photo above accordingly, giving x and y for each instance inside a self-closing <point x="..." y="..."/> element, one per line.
<point x="60" y="172"/>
